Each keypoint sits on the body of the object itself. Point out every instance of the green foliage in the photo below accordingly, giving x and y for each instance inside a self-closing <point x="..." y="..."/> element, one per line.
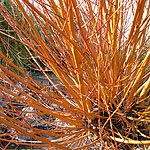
<point x="13" y="49"/>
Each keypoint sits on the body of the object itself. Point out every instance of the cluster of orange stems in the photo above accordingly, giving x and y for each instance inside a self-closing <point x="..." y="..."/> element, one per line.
<point x="99" y="52"/>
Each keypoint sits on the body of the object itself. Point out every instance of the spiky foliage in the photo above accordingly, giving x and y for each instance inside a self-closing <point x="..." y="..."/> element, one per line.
<point x="99" y="52"/>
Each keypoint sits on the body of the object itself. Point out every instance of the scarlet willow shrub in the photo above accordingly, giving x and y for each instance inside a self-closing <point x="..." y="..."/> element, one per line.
<point x="101" y="95"/>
